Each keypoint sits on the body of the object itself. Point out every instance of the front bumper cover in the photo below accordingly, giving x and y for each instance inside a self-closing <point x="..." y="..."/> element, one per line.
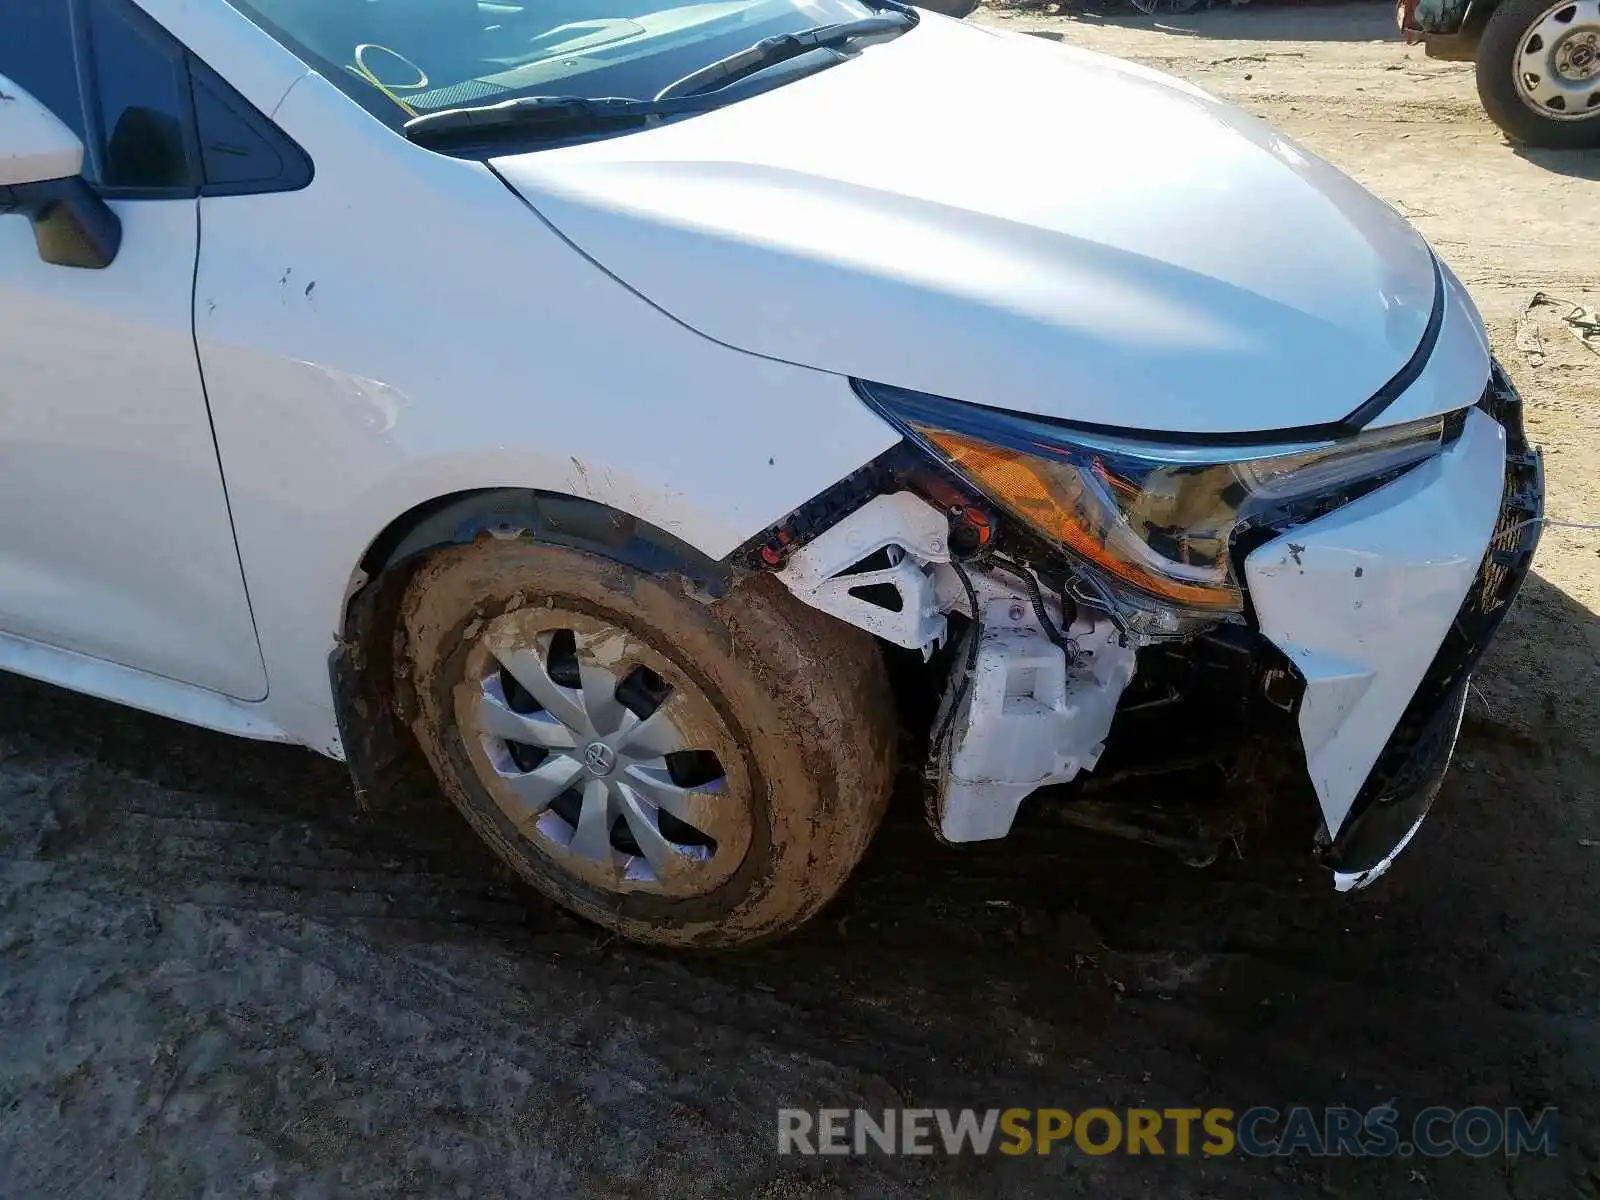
<point x="1385" y="607"/>
<point x="1408" y="773"/>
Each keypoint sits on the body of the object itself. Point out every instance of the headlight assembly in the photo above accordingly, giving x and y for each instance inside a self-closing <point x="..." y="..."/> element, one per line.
<point x="1156" y="519"/>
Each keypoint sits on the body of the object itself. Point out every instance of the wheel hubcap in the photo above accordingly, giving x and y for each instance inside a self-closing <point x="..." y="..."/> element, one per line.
<point x="604" y="753"/>
<point x="1558" y="63"/>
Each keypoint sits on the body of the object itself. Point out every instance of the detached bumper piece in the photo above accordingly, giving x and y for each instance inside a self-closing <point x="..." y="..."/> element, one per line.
<point x="1384" y="606"/>
<point x="1403" y="783"/>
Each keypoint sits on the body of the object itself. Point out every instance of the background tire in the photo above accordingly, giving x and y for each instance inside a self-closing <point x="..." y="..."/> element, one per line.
<point x="1499" y="54"/>
<point x="796" y="702"/>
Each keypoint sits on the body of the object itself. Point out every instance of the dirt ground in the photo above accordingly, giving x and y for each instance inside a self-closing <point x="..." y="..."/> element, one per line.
<point x="215" y="979"/>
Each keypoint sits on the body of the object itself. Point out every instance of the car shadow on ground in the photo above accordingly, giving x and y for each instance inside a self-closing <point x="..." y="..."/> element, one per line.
<point x="1054" y="969"/>
<point x="1579" y="164"/>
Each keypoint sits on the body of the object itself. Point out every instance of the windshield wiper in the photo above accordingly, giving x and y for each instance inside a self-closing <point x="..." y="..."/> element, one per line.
<point x="773" y="50"/>
<point x="451" y="123"/>
<point x="707" y="88"/>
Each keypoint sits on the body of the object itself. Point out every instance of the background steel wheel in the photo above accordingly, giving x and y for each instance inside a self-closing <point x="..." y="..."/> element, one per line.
<point x="1539" y="72"/>
<point x="681" y="772"/>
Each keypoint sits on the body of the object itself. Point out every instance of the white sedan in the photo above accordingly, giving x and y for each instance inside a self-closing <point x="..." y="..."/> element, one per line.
<point x="603" y="404"/>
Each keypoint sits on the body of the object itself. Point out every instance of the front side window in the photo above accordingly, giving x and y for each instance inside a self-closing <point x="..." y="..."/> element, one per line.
<point x="407" y="58"/>
<point x="155" y="122"/>
<point x="141" y="107"/>
<point x="117" y="86"/>
<point x="38" y="52"/>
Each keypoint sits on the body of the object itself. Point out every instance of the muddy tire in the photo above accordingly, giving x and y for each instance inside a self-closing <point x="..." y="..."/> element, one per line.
<point x="684" y="773"/>
<point x="1539" y="72"/>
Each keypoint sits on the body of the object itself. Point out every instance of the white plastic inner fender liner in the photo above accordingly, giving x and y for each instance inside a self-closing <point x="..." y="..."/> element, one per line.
<point x="1028" y="718"/>
<point x="1361" y="599"/>
<point x="907" y="535"/>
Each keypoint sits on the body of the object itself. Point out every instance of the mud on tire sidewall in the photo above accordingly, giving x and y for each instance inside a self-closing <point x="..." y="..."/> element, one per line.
<point x="1497" y="84"/>
<point x="805" y="696"/>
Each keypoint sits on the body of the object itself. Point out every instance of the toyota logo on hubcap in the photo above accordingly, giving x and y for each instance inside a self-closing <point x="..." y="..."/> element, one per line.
<point x="599" y="758"/>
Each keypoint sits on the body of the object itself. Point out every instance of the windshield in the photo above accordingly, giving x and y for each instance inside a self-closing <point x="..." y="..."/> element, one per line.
<point x="406" y="58"/>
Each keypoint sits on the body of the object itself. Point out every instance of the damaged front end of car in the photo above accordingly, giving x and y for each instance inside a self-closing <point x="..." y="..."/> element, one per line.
<point x="1282" y="622"/>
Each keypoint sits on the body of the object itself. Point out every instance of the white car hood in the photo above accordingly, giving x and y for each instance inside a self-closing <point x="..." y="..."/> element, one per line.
<point x="1006" y="221"/>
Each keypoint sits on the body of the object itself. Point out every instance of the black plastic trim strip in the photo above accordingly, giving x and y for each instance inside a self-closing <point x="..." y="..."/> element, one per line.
<point x="1407" y="375"/>
<point x="293" y="168"/>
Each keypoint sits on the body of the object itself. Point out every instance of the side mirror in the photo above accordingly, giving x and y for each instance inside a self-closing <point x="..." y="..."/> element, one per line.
<point x="41" y="165"/>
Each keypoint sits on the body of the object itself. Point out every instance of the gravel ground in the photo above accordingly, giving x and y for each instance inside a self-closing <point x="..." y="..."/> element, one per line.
<point x="217" y="979"/>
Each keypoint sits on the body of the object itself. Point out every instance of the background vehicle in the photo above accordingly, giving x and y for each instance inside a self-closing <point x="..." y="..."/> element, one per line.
<point x="1538" y="62"/>
<point x="951" y="8"/>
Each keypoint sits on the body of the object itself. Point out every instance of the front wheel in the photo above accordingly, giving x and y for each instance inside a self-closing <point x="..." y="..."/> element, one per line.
<point x="681" y="772"/>
<point x="1539" y="72"/>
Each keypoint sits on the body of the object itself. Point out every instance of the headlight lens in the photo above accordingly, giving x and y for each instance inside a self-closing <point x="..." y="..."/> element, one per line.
<point x="1157" y="518"/>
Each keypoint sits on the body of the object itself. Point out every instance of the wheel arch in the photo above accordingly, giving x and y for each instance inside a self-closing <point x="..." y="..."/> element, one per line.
<point x="367" y="708"/>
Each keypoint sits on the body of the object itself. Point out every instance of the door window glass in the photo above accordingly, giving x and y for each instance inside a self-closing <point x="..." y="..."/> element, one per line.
<point x="36" y="52"/>
<point x="158" y="123"/>
<point x="142" y="103"/>
<point x="134" y="129"/>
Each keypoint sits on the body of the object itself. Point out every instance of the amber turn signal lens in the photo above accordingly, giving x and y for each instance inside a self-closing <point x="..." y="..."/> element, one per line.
<point x="1055" y="500"/>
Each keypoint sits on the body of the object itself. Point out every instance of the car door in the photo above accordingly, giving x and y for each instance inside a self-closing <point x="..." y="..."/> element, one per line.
<point x="115" y="536"/>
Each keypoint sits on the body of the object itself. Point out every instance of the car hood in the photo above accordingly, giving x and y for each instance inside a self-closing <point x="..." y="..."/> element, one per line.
<point x="1010" y="222"/>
